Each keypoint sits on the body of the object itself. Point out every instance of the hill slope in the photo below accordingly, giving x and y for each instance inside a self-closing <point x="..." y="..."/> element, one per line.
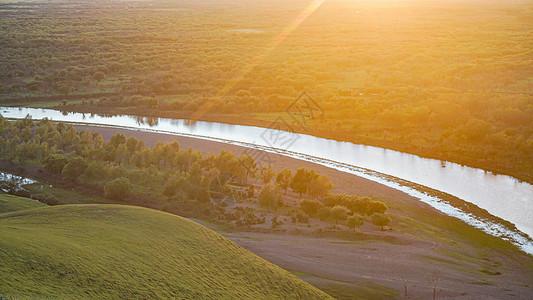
<point x="10" y="203"/>
<point x="114" y="251"/>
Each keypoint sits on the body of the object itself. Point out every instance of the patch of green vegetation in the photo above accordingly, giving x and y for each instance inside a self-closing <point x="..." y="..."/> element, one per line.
<point x="10" y="203"/>
<point x="66" y="195"/>
<point x="115" y="251"/>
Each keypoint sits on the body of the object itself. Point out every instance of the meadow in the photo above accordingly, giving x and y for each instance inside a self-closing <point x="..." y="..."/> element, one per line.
<point x="114" y="251"/>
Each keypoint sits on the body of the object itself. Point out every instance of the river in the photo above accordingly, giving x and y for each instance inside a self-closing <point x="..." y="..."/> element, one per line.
<point x="502" y="196"/>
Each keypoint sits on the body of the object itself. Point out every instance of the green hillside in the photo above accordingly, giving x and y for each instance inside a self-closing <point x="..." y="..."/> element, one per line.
<point x="13" y="203"/>
<point x="114" y="251"/>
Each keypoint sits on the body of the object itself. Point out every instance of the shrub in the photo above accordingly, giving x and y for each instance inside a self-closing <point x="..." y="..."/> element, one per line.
<point x="355" y="221"/>
<point x="118" y="188"/>
<point x="251" y="191"/>
<point x="74" y="169"/>
<point x="275" y="222"/>
<point x="376" y="207"/>
<point x="324" y="213"/>
<point x="45" y="198"/>
<point x="381" y="220"/>
<point x="55" y="162"/>
<point x="270" y="197"/>
<point x="339" y="213"/>
<point x="311" y="207"/>
<point x="302" y="217"/>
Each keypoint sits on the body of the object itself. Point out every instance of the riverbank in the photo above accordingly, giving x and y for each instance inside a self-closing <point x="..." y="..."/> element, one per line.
<point x="468" y="260"/>
<point x="422" y="241"/>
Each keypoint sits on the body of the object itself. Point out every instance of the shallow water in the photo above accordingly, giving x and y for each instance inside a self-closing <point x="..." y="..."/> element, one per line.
<point x="502" y="196"/>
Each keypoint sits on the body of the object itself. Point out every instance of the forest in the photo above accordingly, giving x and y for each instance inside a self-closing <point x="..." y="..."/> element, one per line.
<point x="441" y="79"/>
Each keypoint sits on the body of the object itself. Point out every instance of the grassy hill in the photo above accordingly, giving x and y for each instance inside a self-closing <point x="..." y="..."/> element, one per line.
<point x="114" y="251"/>
<point x="13" y="203"/>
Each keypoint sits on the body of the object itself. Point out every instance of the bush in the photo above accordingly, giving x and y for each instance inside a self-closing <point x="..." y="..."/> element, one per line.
<point x="302" y="217"/>
<point x="251" y="191"/>
<point x="118" y="188"/>
<point x="355" y="221"/>
<point x="74" y="169"/>
<point x="381" y="220"/>
<point x="275" y="222"/>
<point x="45" y="198"/>
<point x="55" y="162"/>
<point x="339" y="213"/>
<point x="311" y="207"/>
<point x="376" y="207"/>
<point x="270" y="197"/>
<point x="324" y="213"/>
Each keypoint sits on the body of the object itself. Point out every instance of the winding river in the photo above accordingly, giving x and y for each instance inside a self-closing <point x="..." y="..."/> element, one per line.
<point x="501" y="196"/>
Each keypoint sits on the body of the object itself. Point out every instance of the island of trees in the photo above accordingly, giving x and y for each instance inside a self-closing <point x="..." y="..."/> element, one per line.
<point x="221" y="186"/>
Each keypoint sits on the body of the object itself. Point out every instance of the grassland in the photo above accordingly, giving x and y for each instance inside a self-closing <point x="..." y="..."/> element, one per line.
<point x="9" y="203"/>
<point x="113" y="251"/>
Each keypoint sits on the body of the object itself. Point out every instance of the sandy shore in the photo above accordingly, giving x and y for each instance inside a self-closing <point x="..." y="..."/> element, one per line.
<point x="354" y="265"/>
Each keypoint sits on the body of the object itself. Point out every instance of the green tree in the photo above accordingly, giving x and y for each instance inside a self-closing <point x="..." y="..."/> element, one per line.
<point x="55" y="162"/>
<point x="170" y="189"/>
<point x="74" y="169"/>
<point x="117" y="139"/>
<point x="118" y="188"/>
<point x="93" y="173"/>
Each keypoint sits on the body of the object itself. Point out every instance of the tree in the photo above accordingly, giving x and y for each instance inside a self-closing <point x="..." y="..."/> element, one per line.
<point x="381" y="220"/>
<point x="324" y="213"/>
<point x="74" y="169"/>
<point x="93" y="173"/>
<point x="117" y="139"/>
<point x="55" y="162"/>
<point x="320" y="186"/>
<point x="131" y="145"/>
<point x="376" y="207"/>
<point x="250" y="166"/>
<point x="118" y="188"/>
<point x="270" y="197"/>
<point x="339" y="213"/>
<point x="170" y="189"/>
<point x="267" y="173"/>
<point x="310" y="207"/>
<point x="283" y="179"/>
<point x="355" y="221"/>
<point x="299" y="181"/>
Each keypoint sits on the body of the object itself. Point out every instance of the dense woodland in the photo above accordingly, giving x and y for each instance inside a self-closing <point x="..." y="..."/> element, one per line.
<point x="181" y="181"/>
<point x="443" y="79"/>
